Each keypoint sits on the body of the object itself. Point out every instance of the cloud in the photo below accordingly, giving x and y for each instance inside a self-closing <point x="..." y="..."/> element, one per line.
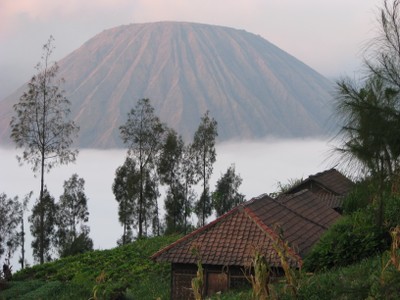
<point x="261" y="164"/>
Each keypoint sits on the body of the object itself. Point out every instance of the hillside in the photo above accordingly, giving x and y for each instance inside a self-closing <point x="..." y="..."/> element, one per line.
<point x="108" y="272"/>
<point x="251" y="87"/>
<point x="127" y="273"/>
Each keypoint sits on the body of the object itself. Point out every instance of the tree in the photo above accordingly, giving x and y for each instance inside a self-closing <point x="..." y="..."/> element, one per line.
<point x="204" y="154"/>
<point x="9" y="221"/>
<point x="43" y="221"/>
<point x="151" y="194"/>
<point x="22" y="208"/>
<point x="371" y="126"/>
<point x="126" y="191"/>
<point x="370" y="111"/>
<point x="226" y="194"/>
<point x="171" y="170"/>
<point x="143" y="134"/>
<point x="382" y="56"/>
<point x="189" y="179"/>
<point x="41" y="127"/>
<point x="72" y="212"/>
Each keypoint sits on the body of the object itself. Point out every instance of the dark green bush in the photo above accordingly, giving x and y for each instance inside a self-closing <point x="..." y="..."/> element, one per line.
<point x="359" y="198"/>
<point x="350" y="240"/>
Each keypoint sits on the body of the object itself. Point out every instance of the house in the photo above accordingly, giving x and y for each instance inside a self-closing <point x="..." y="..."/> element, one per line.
<point x="227" y="245"/>
<point x="331" y="186"/>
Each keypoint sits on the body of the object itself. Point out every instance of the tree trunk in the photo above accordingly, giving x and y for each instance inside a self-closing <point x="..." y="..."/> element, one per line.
<point x="22" y="242"/>
<point x="140" y="221"/>
<point x="204" y="188"/>
<point x="41" y="215"/>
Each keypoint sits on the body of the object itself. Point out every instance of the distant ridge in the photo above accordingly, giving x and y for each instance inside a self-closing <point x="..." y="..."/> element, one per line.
<point x="251" y="87"/>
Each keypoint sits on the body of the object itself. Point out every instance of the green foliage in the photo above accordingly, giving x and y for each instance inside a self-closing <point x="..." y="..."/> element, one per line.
<point x="203" y="148"/>
<point x="173" y="174"/>
<point x="42" y="228"/>
<point x="72" y="211"/>
<point x="124" y="271"/>
<point x="81" y="244"/>
<point x="371" y="126"/>
<point x="392" y="211"/>
<point x="285" y="187"/>
<point x="143" y="134"/>
<point x="359" y="281"/>
<point x="126" y="191"/>
<point x="226" y="194"/>
<point x="350" y="240"/>
<point x="359" y="197"/>
<point x="10" y="218"/>
<point x="203" y="207"/>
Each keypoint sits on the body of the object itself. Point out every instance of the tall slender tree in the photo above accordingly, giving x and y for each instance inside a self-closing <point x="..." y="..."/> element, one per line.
<point x="72" y="218"/>
<point x="203" y="148"/>
<point x="21" y="215"/>
<point x="143" y="133"/>
<point x="42" y="128"/>
<point x="189" y="180"/>
<point x="170" y="168"/>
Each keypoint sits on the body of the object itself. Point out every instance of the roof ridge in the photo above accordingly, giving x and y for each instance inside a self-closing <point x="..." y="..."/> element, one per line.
<point x="322" y="172"/>
<point x="272" y="234"/>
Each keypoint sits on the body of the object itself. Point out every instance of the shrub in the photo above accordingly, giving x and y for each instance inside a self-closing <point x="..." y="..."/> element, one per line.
<point x="359" y="198"/>
<point x="350" y="240"/>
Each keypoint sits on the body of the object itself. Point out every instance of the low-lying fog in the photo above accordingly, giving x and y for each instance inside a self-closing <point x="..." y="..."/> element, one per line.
<point x="261" y="165"/>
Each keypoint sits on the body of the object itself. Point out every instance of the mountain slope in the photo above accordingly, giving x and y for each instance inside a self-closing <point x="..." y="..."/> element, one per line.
<point x="251" y="87"/>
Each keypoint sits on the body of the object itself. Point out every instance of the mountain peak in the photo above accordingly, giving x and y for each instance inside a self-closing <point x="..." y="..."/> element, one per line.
<point x="251" y="87"/>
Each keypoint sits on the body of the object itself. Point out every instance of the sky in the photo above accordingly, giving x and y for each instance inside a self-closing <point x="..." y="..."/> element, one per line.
<point x="327" y="35"/>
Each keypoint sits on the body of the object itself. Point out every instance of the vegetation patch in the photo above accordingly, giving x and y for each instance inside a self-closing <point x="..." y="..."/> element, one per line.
<point x="106" y="274"/>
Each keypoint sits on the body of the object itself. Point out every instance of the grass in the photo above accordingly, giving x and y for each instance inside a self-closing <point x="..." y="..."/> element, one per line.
<point x="106" y="274"/>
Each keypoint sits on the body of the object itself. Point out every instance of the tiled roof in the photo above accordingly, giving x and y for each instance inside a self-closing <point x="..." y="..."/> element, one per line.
<point x="229" y="240"/>
<point x="332" y="181"/>
<point x="301" y="218"/>
<point x="256" y="224"/>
